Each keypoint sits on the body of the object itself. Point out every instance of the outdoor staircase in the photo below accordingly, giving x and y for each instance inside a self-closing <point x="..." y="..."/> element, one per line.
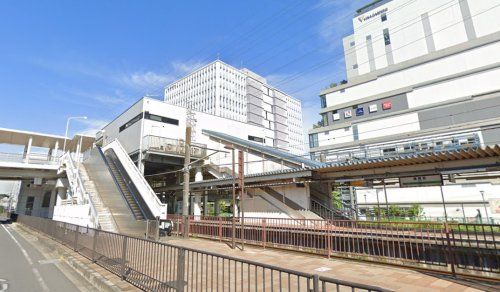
<point x="105" y="218"/>
<point x="217" y="171"/>
<point x="327" y="213"/>
<point x="124" y="186"/>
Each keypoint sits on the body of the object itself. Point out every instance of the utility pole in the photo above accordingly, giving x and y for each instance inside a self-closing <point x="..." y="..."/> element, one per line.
<point x="233" y="173"/>
<point x="187" y="160"/>
<point x="241" y="184"/>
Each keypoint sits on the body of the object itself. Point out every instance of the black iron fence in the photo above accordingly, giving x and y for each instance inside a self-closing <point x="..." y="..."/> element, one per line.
<point x="156" y="266"/>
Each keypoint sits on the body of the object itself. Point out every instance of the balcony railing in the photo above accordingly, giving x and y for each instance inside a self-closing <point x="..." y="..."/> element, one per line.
<point x="173" y="146"/>
<point x="34" y="158"/>
<point x="401" y="149"/>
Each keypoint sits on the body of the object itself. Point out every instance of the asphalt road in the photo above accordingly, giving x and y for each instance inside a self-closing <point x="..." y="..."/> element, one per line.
<point x="24" y="268"/>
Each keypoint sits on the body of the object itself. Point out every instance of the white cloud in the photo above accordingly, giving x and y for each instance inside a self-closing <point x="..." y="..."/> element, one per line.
<point x="338" y="21"/>
<point x="186" y="67"/>
<point x="147" y="80"/>
<point x="92" y="126"/>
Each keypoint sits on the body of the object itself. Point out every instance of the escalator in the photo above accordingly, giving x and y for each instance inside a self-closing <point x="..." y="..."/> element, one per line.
<point x="115" y="192"/>
<point x="129" y="191"/>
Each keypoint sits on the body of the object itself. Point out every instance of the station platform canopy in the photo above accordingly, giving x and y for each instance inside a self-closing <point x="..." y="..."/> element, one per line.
<point x="18" y="137"/>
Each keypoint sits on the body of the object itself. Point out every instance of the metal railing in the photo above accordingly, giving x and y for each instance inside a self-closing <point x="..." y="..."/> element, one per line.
<point x="401" y="149"/>
<point x="146" y="192"/>
<point x="173" y="146"/>
<point x="456" y="248"/>
<point x="156" y="266"/>
<point x="79" y="193"/>
<point x="34" y="158"/>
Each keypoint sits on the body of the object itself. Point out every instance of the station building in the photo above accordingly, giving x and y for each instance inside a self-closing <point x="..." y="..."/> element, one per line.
<point x="422" y="76"/>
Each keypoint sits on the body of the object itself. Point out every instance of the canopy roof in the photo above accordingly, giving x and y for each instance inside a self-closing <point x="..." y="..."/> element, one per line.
<point x="18" y="137"/>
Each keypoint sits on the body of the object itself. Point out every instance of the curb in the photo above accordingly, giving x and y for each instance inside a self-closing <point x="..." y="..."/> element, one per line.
<point x="87" y="273"/>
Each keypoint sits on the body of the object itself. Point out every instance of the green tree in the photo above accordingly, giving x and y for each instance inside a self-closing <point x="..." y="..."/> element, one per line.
<point x="336" y="201"/>
<point x="415" y="211"/>
<point x="394" y="211"/>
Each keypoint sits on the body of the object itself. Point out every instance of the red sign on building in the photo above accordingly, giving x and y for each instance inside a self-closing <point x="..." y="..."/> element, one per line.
<point x="386" y="105"/>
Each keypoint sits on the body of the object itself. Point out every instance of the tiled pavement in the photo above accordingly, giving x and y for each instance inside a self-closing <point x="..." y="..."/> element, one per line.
<point x="393" y="278"/>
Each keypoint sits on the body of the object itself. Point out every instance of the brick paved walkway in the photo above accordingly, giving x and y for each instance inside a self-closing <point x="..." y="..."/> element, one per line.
<point x="393" y="278"/>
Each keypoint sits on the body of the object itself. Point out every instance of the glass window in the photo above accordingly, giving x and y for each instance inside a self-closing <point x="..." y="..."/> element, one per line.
<point x="46" y="199"/>
<point x="387" y="37"/>
<point x="161" y="119"/>
<point x="323" y="101"/>
<point x="256" y="139"/>
<point x="131" y="122"/>
<point x="324" y="119"/>
<point x="383" y="17"/>
<point x="313" y="140"/>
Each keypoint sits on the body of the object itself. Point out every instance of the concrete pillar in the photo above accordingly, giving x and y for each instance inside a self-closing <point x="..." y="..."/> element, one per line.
<point x="78" y="152"/>
<point x="197" y="204"/>
<point x="199" y="175"/>
<point x="27" y="150"/>
<point x="217" y="205"/>
<point x="55" y="153"/>
<point x="205" y="205"/>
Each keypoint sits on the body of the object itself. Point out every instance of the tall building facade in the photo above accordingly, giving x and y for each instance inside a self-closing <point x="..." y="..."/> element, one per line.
<point x="422" y="76"/>
<point x="423" y="72"/>
<point x="242" y="95"/>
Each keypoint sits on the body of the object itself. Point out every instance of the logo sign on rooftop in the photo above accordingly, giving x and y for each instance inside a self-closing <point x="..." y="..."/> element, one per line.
<point x="370" y="16"/>
<point x="386" y="105"/>
<point x="360" y="111"/>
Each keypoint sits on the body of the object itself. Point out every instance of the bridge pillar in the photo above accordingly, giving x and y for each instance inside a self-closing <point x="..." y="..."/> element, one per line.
<point x="197" y="204"/>
<point x="217" y="205"/>
<point x="27" y="150"/>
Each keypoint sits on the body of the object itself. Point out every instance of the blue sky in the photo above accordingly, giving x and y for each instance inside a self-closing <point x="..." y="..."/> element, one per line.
<point x="96" y="58"/>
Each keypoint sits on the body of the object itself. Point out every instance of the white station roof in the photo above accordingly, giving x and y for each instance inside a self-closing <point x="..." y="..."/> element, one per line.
<point x="18" y="137"/>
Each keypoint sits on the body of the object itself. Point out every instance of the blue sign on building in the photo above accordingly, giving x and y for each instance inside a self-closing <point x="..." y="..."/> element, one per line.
<point x="360" y="111"/>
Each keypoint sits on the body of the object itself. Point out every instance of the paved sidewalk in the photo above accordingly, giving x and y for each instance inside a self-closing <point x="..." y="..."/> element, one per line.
<point x="393" y="278"/>
<point x="71" y="263"/>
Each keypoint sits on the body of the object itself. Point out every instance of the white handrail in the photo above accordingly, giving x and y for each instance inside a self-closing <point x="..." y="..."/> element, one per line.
<point x="148" y="194"/>
<point x="78" y="188"/>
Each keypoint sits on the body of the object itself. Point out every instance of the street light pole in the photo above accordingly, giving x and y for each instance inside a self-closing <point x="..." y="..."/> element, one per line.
<point x="67" y="129"/>
<point x="485" y="209"/>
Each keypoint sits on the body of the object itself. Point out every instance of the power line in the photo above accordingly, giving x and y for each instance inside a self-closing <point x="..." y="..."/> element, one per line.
<point x="330" y="60"/>
<point x="319" y="48"/>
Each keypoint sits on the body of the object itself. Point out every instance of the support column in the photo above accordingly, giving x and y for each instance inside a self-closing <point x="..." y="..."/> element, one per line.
<point x="217" y="205"/>
<point x="197" y="204"/>
<point x="55" y="153"/>
<point x="27" y="150"/>
<point x="205" y="205"/>
<point x="199" y="175"/>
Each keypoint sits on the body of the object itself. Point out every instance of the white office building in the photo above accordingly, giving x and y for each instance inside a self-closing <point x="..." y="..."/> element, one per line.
<point x="422" y="76"/>
<point x="242" y="95"/>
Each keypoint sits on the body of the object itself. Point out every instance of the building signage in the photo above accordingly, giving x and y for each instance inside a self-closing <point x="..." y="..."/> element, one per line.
<point x="373" y="108"/>
<point x="386" y="105"/>
<point x="336" y="116"/>
<point x="421" y="181"/>
<point x="360" y="111"/>
<point x="370" y="16"/>
<point x="347" y="114"/>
